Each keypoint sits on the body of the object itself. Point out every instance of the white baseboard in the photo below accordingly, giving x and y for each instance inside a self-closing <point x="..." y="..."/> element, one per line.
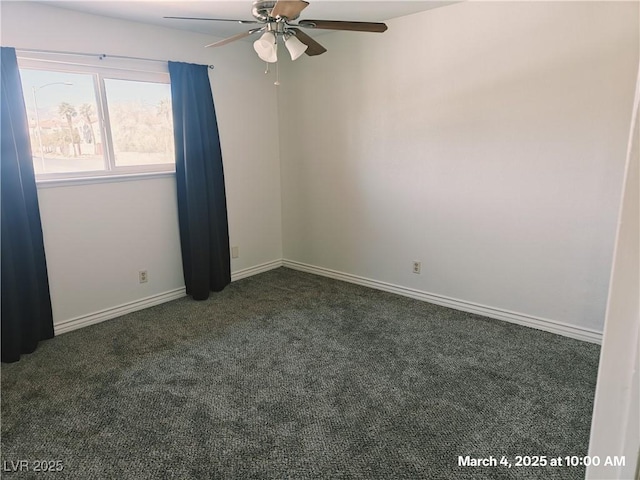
<point x="572" y="331"/>
<point x="248" y="272"/>
<point x="109" y="313"/>
<point x="547" y="325"/>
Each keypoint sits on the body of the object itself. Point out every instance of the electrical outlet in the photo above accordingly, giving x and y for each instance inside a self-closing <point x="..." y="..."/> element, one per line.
<point x="234" y="252"/>
<point x="417" y="267"/>
<point x="142" y="276"/>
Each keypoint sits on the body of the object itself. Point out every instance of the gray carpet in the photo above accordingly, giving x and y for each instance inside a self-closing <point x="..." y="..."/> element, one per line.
<point x="290" y="375"/>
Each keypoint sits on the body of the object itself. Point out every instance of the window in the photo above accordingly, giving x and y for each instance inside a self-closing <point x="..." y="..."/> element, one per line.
<point x="88" y="120"/>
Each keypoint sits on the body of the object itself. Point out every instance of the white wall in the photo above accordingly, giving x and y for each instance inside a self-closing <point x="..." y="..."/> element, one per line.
<point x="616" y="417"/>
<point x="486" y="140"/>
<point x="96" y="246"/>
<point x="97" y="237"/>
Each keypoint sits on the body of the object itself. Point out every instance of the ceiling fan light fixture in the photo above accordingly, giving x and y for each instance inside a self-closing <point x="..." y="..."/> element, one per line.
<point x="266" y="47"/>
<point x="296" y="47"/>
<point x="274" y="19"/>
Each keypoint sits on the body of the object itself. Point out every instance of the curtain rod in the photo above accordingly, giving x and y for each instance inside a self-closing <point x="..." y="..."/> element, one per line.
<point x="99" y="56"/>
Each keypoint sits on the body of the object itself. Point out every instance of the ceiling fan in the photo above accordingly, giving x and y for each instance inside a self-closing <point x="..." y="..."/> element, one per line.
<point x="276" y="16"/>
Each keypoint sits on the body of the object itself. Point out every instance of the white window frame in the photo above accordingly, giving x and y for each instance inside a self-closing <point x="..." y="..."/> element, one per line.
<point x="101" y="70"/>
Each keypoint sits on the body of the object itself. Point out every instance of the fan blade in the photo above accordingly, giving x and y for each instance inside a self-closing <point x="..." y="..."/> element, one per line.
<point x="314" y="47"/>
<point x="288" y="8"/>
<point x="230" y="39"/>
<point x="214" y="19"/>
<point x="338" y="25"/>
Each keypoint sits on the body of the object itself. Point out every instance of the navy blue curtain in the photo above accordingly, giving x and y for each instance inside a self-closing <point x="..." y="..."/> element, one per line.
<point x="202" y="205"/>
<point x="26" y="304"/>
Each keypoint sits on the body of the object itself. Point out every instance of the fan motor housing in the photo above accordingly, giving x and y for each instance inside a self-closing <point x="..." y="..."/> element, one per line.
<point x="262" y="10"/>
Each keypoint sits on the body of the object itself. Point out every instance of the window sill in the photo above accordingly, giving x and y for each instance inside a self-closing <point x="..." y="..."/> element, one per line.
<point x="90" y="180"/>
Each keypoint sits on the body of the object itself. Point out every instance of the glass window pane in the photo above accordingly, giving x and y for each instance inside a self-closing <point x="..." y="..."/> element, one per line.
<point x="141" y="122"/>
<point x="63" y="121"/>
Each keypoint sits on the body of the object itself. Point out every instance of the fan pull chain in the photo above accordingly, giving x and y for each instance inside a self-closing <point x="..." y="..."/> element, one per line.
<point x="277" y="82"/>
<point x="266" y="72"/>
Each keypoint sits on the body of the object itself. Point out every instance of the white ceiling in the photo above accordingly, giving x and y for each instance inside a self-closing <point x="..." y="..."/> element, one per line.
<point x="152" y="11"/>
